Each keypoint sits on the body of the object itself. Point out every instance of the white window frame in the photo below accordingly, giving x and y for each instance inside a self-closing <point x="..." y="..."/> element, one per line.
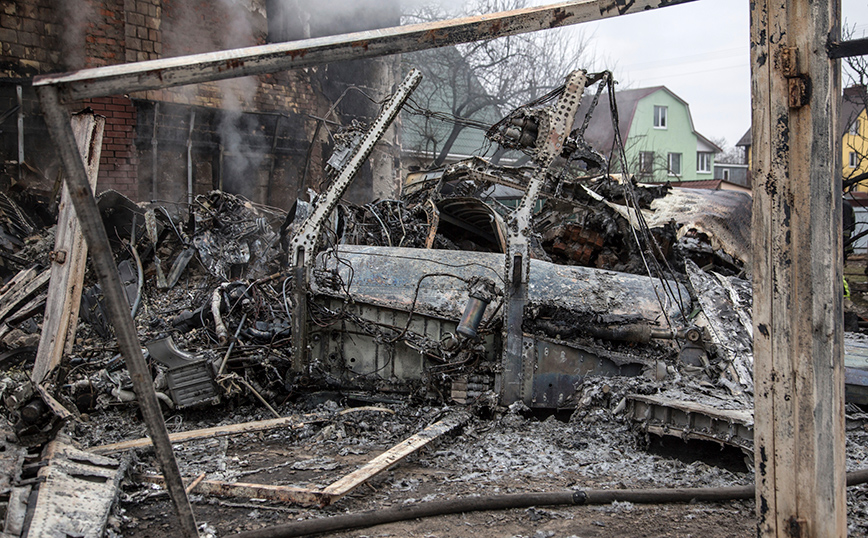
<point x="726" y="174"/>
<point x="661" y="119"/>
<point x="854" y="128"/>
<point x="646" y="162"/>
<point x="703" y="162"/>
<point x="671" y="169"/>
<point x="854" y="160"/>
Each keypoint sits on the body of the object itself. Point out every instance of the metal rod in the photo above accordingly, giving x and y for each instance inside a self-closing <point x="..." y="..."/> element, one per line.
<point x="231" y="345"/>
<point x="190" y="161"/>
<point x="154" y="152"/>
<point x="19" y="93"/>
<point x="196" y="68"/>
<point x="848" y="49"/>
<point x="57" y="120"/>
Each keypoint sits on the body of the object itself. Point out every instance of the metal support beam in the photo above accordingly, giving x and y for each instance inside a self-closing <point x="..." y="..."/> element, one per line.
<point x="182" y="70"/>
<point x="847" y="49"/>
<point x="797" y="270"/>
<point x="60" y="128"/>
<point x="19" y="92"/>
<point x="304" y="243"/>
<point x="517" y="369"/>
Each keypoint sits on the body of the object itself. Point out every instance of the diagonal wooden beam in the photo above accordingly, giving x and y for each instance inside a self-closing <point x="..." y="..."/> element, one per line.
<point x="58" y="122"/>
<point x="193" y="69"/>
<point x="345" y="485"/>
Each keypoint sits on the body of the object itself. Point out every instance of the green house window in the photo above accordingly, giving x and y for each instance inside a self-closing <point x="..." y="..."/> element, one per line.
<point x="674" y="164"/>
<point x="703" y="161"/>
<point x="660" y="117"/>
<point x="646" y="162"/>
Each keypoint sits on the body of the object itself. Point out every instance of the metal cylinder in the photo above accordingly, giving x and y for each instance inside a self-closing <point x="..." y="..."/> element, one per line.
<point x="472" y="317"/>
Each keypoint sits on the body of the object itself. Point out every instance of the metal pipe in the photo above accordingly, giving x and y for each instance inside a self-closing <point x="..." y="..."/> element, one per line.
<point x="154" y="153"/>
<point x="58" y="122"/>
<point x="20" y="95"/>
<point x="497" y="502"/>
<point x="141" y="276"/>
<point x="190" y="162"/>
<point x="220" y="65"/>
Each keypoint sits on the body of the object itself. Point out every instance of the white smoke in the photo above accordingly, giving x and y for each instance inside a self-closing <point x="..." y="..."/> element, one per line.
<point x="75" y="16"/>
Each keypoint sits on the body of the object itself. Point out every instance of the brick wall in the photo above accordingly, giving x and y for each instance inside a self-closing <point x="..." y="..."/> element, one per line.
<point x="118" y="162"/>
<point x="43" y="36"/>
<point x="142" y="30"/>
<point x="29" y="36"/>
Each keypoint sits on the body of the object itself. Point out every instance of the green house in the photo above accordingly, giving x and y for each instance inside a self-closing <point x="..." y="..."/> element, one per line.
<point x="659" y="139"/>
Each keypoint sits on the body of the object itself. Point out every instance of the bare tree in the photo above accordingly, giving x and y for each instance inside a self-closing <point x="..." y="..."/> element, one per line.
<point x="730" y="154"/>
<point x="473" y="84"/>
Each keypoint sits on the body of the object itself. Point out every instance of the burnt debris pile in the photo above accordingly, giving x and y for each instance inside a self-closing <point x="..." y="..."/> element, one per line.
<point x="545" y="281"/>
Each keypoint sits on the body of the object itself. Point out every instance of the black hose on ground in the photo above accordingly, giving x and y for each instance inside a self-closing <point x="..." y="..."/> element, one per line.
<point x="498" y="502"/>
<point x="515" y="500"/>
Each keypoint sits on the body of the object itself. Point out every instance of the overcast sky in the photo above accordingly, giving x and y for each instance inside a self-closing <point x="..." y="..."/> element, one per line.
<point x="699" y="50"/>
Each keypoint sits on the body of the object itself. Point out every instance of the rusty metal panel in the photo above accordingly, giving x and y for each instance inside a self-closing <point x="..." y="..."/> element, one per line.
<point x="76" y="493"/>
<point x="691" y="420"/>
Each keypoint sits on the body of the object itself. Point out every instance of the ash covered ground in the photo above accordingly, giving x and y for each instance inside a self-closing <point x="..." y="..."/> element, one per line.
<point x="498" y="451"/>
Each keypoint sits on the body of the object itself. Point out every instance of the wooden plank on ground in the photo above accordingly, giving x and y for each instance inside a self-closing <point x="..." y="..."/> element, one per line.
<point x="23" y="275"/>
<point x="217" y="431"/>
<point x="287" y="494"/>
<point x="76" y="492"/>
<point x="33" y="307"/>
<point x="392" y="456"/>
<point x="69" y="257"/>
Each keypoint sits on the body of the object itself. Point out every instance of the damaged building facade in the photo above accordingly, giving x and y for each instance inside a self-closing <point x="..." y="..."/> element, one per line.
<point x="260" y="137"/>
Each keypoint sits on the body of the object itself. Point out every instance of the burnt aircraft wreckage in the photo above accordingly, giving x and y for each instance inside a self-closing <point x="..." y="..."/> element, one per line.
<point x="444" y="295"/>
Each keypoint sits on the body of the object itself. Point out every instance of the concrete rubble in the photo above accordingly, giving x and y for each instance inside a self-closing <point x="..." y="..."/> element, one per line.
<point x="633" y="324"/>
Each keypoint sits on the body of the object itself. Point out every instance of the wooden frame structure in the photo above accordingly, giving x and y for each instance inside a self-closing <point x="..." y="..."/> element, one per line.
<point x="796" y="232"/>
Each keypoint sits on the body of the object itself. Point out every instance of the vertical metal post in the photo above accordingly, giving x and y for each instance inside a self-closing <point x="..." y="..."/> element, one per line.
<point x="154" y="165"/>
<point x="190" y="162"/>
<point x="515" y="381"/>
<point x="797" y="270"/>
<point x="304" y="242"/>
<point x="59" y="126"/>
<point x="20" y="94"/>
<point x="267" y="190"/>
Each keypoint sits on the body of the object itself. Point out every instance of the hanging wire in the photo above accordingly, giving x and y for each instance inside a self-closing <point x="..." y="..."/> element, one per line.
<point x="648" y="239"/>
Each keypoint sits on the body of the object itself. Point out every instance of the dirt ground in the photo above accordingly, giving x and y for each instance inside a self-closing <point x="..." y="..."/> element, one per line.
<point x="506" y="452"/>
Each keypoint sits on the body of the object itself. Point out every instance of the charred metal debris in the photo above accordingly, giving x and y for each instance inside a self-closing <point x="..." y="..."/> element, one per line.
<point x="538" y="285"/>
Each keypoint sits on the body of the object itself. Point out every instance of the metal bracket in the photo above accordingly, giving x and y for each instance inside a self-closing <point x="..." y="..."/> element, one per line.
<point x="57" y="256"/>
<point x="798" y="84"/>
